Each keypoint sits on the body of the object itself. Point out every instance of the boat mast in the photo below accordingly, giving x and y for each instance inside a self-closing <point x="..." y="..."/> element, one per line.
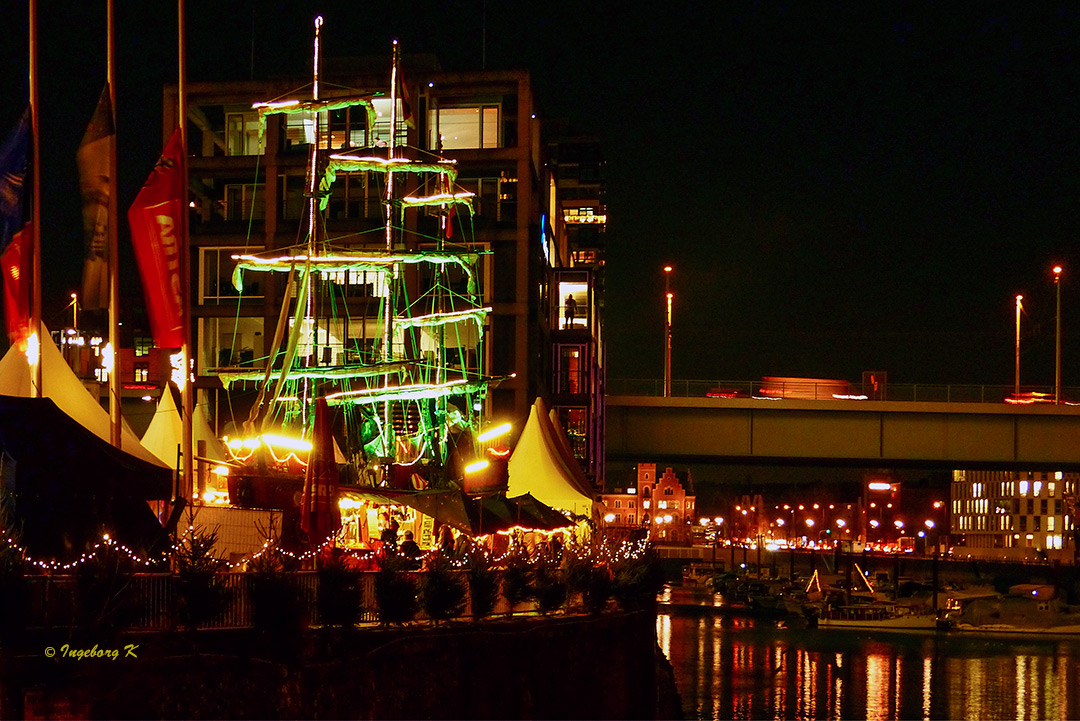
<point x="33" y="351"/>
<point x="114" y="246"/>
<point x="313" y="184"/>
<point x="388" y="314"/>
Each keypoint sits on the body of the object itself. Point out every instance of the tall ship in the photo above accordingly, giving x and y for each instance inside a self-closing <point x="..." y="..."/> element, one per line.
<point x="405" y="382"/>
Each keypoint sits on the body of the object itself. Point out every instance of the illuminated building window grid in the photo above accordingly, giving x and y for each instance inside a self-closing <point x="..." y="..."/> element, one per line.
<point x="1021" y="522"/>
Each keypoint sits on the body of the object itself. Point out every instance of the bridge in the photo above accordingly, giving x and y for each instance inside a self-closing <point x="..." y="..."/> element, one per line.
<point x="867" y="433"/>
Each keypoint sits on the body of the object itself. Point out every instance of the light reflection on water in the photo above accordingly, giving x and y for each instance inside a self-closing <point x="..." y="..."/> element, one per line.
<point x="737" y="668"/>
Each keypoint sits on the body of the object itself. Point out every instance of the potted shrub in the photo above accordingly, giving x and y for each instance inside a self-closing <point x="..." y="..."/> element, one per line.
<point x="201" y="590"/>
<point x="443" y="592"/>
<point x="636" y="581"/>
<point x="339" y="594"/>
<point x="549" y="584"/>
<point x="518" y="578"/>
<point x="483" y="580"/>
<point x="395" y="590"/>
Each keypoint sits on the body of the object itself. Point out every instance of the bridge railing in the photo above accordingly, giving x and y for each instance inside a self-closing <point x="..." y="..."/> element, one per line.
<point x="809" y="390"/>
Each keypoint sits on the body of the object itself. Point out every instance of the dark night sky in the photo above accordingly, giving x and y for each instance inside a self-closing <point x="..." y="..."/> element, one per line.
<point x="840" y="186"/>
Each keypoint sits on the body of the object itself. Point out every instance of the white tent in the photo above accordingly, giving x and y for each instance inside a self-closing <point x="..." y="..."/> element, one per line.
<point x="166" y="431"/>
<point x="69" y="394"/>
<point x="542" y="465"/>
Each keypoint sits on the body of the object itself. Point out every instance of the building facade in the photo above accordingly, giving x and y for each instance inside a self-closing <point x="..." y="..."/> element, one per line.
<point x="1010" y="514"/>
<point x="658" y="506"/>
<point x="577" y="339"/>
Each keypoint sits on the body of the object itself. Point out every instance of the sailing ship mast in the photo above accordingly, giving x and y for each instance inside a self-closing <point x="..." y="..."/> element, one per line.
<point x="33" y="352"/>
<point x="391" y="387"/>
<point x="114" y="246"/>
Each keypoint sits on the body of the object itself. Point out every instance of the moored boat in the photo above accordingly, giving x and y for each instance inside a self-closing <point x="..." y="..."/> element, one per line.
<point x="1024" y="609"/>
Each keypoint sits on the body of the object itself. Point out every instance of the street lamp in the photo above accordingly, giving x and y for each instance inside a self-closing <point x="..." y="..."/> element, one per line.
<point x="1057" y="362"/>
<point x="1019" y="307"/>
<point x="667" y="333"/>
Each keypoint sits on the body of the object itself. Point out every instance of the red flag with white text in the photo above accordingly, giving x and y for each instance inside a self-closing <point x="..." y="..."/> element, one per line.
<point x="155" y="232"/>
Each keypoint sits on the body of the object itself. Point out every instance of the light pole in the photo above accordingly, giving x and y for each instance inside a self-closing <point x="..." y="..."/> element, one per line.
<point x="1057" y="362"/>
<point x="667" y="333"/>
<point x="1016" y="385"/>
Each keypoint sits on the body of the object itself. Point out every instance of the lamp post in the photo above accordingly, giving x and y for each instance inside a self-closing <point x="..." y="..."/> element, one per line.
<point x="1057" y="361"/>
<point x="667" y="333"/>
<point x="1016" y="385"/>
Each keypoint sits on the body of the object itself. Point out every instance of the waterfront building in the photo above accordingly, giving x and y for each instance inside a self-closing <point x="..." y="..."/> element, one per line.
<point x="660" y="505"/>
<point x="1011" y="514"/>
<point x="577" y="339"/>
<point x="247" y="194"/>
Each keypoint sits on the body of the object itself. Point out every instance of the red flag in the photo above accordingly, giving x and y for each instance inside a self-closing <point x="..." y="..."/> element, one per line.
<point x="406" y="106"/>
<point x="450" y="222"/>
<point x="155" y="232"/>
<point x="15" y="265"/>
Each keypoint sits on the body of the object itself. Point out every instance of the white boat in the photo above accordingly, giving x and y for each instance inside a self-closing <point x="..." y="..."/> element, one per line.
<point x="877" y="614"/>
<point x="1025" y="609"/>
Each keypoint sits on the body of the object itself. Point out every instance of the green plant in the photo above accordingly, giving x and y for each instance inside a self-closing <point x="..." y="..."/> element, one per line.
<point x="483" y="581"/>
<point x="339" y="594"/>
<point x="636" y="581"/>
<point x="443" y="592"/>
<point x="395" y="591"/>
<point x="105" y="601"/>
<point x="278" y="603"/>
<point x="202" y="593"/>
<point x="519" y="577"/>
<point x="14" y="571"/>
<point x="549" y="584"/>
<point x="598" y="589"/>
<point x="577" y="564"/>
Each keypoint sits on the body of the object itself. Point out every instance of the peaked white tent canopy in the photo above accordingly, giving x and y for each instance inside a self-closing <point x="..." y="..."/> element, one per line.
<point x="166" y="431"/>
<point x="542" y="465"/>
<point x="63" y="387"/>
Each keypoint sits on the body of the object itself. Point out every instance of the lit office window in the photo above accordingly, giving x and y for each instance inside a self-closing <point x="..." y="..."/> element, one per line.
<point x="464" y="128"/>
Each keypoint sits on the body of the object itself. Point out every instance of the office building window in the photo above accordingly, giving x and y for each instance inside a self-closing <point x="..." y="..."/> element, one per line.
<point x="216" y="269"/>
<point x="464" y="127"/>
<point x="242" y="134"/>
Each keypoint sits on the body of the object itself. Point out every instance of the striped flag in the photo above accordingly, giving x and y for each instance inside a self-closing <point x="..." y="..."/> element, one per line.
<point x="16" y="232"/>
<point x="93" y="158"/>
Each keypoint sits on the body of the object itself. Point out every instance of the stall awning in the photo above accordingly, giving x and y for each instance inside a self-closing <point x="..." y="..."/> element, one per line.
<point x="541" y="465"/>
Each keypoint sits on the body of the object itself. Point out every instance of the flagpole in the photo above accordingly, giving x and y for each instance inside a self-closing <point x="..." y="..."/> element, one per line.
<point x="185" y="271"/>
<point x="114" y="245"/>
<point x="34" y="352"/>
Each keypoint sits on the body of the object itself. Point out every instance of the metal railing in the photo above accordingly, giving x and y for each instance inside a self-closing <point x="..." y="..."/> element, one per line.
<point x="809" y="390"/>
<point x="149" y="601"/>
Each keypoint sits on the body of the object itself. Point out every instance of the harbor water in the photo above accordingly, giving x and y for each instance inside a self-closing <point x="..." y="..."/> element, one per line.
<point x="730" y="667"/>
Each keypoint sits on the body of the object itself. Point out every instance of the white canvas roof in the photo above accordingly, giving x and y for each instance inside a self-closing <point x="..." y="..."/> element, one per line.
<point x="166" y="430"/>
<point x="541" y="465"/>
<point x="60" y="384"/>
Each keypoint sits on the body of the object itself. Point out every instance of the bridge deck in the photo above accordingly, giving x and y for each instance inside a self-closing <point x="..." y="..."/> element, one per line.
<point x="747" y="430"/>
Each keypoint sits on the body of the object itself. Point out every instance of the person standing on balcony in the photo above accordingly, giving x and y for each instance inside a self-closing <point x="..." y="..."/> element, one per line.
<point x="571" y="310"/>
